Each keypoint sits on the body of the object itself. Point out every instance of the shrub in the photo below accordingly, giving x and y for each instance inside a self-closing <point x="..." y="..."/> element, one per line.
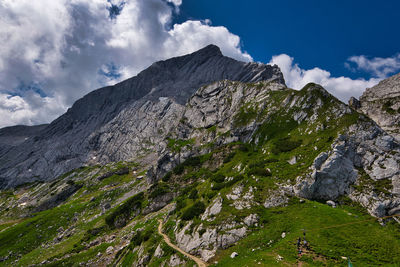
<point x="202" y="231"/>
<point x="259" y="171"/>
<point x="211" y="194"/>
<point x="193" y="211"/>
<point x="167" y="177"/>
<point x="218" y="186"/>
<point x="229" y="157"/>
<point x="180" y="204"/>
<point x="159" y="190"/>
<point x="141" y="236"/>
<point x="193" y="161"/>
<point x="179" y="169"/>
<point x="285" y="145"/>
<point x="243" y="148"/>
<point x="193" y="194"/>
<point x="235" y="179"/>
<point x="119" y="217"/>
<point x="387" y="107"/>
<point x="218" y="178"/>
<point x="89" y="234"/>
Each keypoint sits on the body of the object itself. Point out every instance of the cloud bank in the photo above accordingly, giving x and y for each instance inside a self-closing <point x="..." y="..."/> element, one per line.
<point x="55" y="51"/>
<point x="341" y="87"/>
<point x="377" y="66"/>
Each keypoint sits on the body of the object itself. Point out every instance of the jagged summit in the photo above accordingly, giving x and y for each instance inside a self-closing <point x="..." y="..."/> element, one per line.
<point x="177" y="78"/>
<point x="100" y="118"/>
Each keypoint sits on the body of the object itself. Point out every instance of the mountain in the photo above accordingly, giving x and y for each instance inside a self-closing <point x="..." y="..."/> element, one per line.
<point x="15" y="135"/>
<point x="382" y="104"/>
<point x="117" y="122"/>
<point x="207" y="157"/>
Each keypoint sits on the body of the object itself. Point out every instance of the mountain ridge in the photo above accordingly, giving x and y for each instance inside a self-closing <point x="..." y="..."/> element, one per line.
<point x="237" y="173"/>
<point x="68" y="141"/>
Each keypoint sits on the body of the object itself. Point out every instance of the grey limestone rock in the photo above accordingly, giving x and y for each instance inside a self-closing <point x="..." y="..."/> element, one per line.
<point x="127" y="120"/>
<point x="382" y="104"/>
<point x="364" y="152"/>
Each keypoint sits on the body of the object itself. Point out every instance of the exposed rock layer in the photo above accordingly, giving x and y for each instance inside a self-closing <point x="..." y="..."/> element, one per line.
<point x="116" y="122"/>
<point x="382" y="104"/>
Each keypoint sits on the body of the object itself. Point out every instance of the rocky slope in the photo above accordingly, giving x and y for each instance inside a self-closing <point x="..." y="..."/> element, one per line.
<point x="16" y="135"/>
<point x="237" y="171"/>
<point x="382" y="104"/>
<point x="118" y="122"/>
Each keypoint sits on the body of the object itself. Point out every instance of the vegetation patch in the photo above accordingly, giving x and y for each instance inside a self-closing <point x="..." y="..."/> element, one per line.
<point x="285" y="144"/>
<point x="245" y="115"/>
<point x="176" y="145"/>
<point x="193" y="211"/>
<point x="123" y="213"/>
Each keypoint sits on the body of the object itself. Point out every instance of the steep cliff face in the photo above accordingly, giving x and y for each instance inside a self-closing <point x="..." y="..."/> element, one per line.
<point x="382" y="104"/>
<point x="16" y="135"/>
<point x="116" y="122"/>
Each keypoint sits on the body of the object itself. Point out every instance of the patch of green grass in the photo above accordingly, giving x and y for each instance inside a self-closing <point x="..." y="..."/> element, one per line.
<point x="246" y="114"/>
<point x="83" y="257"/>
<point x="331" y="232"/>
<point x="32" y="232"/>
<point x="176" y="145"/>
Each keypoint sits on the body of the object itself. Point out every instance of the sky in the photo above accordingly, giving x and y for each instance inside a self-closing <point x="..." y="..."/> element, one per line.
<point x="55" y="51"/>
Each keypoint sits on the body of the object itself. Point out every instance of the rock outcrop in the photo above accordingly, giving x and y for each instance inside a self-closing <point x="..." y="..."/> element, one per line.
<point x="359" y="160"/>
<point x="382" y="104"/>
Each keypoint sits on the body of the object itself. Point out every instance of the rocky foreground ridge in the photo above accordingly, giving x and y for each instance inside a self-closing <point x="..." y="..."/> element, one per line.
<point x="235" y="162"/>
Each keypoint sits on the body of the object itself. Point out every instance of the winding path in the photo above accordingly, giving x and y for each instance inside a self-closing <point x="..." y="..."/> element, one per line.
<point x="198" y="261"/>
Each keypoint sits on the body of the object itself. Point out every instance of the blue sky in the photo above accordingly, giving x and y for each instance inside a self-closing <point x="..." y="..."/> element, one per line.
<point x="314" y="32"/>
<point x="52" y="56"/>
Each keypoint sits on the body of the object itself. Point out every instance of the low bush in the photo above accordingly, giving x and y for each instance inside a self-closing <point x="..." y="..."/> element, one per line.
<point x="193" y="162"/>
<point x="159" y="190"/>
<point x="194" y="194"/>
<point x="193" y="211"/>
<point x="285" y="145"/>
<point x="167" y="177"/>
<point x="259" y="171"/>
<point x="229" y="157"/>
<point x="218" y="178"/>
<point x="180" y="204"/>
<point x="141" y="236"/>
<point x="120" y="216"/>
<point x="89" y="234"/>
<point x="179" y="169"/>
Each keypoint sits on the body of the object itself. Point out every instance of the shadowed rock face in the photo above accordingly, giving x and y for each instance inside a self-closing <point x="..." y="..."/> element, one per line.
<point x="127" y="115"/>
<point x="15" y="135"/>
<point x="382" y="104"/>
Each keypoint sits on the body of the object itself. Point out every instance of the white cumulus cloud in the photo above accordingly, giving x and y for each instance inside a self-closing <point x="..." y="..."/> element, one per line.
<point x="341" y="87"/>
<point x="377" y="66"/>
<point x="65" y="48"/>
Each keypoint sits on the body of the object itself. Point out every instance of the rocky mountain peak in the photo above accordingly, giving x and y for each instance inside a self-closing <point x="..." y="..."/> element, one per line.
<point x="122" y="113"/>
